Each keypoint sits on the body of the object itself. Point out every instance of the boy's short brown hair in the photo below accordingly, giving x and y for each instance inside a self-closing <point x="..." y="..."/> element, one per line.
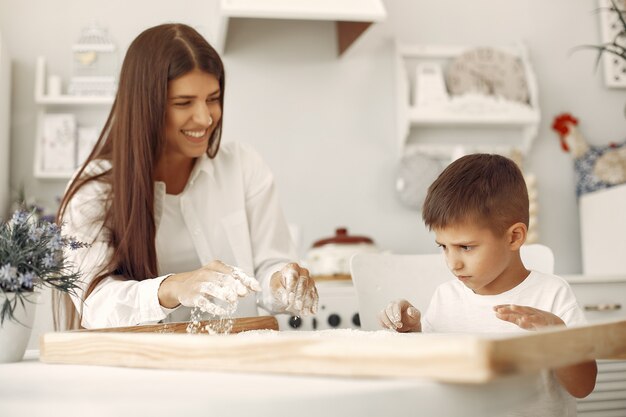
<point x="483" y="188"/>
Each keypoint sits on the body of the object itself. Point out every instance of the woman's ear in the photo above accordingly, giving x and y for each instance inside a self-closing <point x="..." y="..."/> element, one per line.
<point x="517" y="235"/>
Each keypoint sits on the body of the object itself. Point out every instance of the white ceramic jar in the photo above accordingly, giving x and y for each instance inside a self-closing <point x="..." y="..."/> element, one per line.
<point x="331" y="256"/>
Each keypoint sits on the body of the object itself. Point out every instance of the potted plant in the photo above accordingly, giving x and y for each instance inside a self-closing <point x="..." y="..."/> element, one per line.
<point x="617" y="45"/>
<point x="31" y="257"/>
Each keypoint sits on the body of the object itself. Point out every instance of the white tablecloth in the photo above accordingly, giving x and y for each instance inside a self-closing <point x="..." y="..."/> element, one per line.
<point x="32" y="388"/>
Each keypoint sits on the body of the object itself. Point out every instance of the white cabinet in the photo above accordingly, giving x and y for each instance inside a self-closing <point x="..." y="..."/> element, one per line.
<point x="89" y="112"/>
<point x="5" y="106"/>
<point x="433" y="121"/>
<point x="603" y="298"/>
<point x="352" y="17"/>
<point x="602" y="231"/>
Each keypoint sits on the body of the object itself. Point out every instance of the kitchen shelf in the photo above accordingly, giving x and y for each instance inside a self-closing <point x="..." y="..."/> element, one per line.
<point x="42" y="99"/>
<point x="66" y="100"/>
<point x="99" y="104"/>
<point x="352" y="17"/>
<point x="426" y="116"/>
<point x="456" y="115"/>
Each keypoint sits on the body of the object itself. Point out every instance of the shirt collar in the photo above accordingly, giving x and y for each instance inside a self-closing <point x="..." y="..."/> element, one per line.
<point x="203" y="164"/>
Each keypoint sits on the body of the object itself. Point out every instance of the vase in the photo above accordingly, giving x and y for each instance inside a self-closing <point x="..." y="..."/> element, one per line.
<point x="14" y="334"/>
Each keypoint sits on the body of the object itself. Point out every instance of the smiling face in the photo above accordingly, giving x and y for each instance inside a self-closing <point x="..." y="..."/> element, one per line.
<point x="486" y="263"/>
<point x="192" y="114"/>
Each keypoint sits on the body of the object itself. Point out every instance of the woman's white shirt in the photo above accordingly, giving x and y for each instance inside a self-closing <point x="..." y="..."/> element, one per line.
<point x="230" y="211"/>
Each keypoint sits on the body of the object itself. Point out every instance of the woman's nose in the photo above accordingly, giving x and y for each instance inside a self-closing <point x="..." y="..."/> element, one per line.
<point x="202" y="115"/>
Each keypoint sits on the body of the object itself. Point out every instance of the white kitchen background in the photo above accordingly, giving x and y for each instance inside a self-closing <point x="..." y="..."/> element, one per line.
<point x="326" y="124"/>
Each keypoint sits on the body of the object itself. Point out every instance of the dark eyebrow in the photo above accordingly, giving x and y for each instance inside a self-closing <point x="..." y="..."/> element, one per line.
<point x="188" y="97"/>
<point x="182" y="97"/>
<point x="470" y="243"/>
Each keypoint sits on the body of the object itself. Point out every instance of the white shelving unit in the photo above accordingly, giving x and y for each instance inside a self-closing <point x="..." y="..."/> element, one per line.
<point x="46" y="103"/>
<point x="353" y="17"/>
<point x="508" y="124"/>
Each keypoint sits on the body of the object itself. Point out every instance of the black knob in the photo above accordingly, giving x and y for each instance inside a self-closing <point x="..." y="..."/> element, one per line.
<point x="356" y="320"/>
<point x="334" y="320"/>
<point x="295" y="321"/>
<point x="314" y="323"/>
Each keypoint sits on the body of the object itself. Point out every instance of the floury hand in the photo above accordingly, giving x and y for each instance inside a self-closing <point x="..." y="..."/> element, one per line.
<point x="214" y="288"/>
<point x="292" y="290"/>
<point x="401" y="316"/>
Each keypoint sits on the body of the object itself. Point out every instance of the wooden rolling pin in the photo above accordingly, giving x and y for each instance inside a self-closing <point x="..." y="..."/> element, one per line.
<point x="239" y="325"/>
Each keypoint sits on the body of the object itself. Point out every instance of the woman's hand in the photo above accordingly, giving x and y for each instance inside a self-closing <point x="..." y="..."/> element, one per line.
<point x="527" y="317"/>
<point x="401" y="316"/>
<point x="292" y="290"/>
<point x="215" y="288"/>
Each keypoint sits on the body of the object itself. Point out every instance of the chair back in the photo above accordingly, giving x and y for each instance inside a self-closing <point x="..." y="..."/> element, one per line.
<point x="382" y="277"/>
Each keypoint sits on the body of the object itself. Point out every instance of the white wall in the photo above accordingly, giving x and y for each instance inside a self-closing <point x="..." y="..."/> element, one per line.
<point x="5" y="111"/>
<point x="326" y="124"/>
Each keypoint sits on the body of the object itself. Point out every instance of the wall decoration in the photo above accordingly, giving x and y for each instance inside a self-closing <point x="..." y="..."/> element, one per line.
<point x="597" y="167"/>
<point x="488" y="71"/>
<point x="94" y="64"/>
<point x="416" y="171"/>
<point x="59" y="142"/>
<point x="613" y="27"/>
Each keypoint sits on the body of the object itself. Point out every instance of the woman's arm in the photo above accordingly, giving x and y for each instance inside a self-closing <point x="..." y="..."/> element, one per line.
<point x="113" y="302"/>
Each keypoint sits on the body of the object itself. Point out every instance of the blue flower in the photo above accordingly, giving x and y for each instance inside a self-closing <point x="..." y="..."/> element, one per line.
<point x="8" y="278"/>
<point x="7" y="272"/>
<point x="52" y="228"/>
<point x="26" y="280"/>
<point x="35" y="233"/>
<point x="55" y="243"/>
<point x="49" y="260"/>
<point x="19" y="218"/>
<point x="75" y="244"/>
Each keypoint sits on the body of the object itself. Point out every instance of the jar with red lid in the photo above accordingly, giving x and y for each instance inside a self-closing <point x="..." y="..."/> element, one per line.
<point x="329" y="258"/>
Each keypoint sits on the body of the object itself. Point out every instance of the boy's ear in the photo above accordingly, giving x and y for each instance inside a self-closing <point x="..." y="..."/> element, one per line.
<point x="517" y="235"/>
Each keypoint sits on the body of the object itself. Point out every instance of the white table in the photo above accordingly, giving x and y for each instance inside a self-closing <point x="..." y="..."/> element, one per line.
<point x="32" y="388"/>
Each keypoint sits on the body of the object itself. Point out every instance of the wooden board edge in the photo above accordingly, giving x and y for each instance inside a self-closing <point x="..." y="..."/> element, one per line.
<point x="287" y="353"/>
<point x="559" y="346"/>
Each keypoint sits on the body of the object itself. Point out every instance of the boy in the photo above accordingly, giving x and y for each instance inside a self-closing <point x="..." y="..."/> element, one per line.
<point x="478" y="209"/>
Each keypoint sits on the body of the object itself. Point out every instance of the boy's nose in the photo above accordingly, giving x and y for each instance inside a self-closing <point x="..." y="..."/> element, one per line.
<point x="454" y="263"/>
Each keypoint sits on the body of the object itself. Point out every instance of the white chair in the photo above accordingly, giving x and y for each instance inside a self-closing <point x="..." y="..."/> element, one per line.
<point x="381" y="278"/>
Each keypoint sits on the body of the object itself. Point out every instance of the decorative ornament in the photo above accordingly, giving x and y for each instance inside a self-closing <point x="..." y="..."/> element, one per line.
<point x="94" y="65"/>
<point x="416" y="171"/>
<point x="596" y="167"/>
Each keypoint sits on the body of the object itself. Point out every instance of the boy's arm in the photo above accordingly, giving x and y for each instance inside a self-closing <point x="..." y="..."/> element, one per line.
<point x="579" y="380"/>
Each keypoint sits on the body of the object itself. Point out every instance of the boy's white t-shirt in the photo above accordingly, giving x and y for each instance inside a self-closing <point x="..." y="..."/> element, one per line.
<point x="454" y="308"/>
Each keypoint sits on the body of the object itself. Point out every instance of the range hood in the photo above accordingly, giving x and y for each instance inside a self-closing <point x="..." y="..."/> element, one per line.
<point x="353" y="17"/>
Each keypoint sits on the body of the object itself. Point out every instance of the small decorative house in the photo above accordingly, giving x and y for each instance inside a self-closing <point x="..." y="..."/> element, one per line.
<point x="94" y="64"/>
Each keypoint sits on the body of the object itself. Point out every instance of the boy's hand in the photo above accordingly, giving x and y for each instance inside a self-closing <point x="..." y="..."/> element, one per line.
<point x="527" y="317"/>
<point x="401" y="316"/>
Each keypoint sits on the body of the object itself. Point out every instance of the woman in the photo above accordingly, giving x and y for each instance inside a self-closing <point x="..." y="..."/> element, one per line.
<point x="167" y="210"/>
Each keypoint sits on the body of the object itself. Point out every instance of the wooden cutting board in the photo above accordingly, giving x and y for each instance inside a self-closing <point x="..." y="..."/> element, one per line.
<point x="238" y="325"/>
<point x="443" y="357"/>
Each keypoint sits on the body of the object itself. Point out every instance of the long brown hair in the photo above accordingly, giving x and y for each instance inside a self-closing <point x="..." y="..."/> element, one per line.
<point x="132" y="140"/>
